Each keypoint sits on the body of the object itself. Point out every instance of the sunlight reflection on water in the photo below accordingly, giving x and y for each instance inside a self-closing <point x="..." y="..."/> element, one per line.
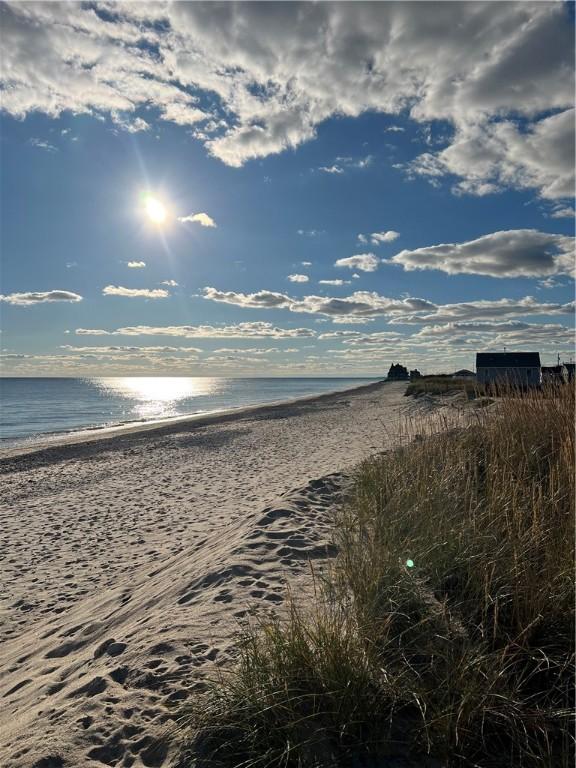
<point x="157" y="397"/>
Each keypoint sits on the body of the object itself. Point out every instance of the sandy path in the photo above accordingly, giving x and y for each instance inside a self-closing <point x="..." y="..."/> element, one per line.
<point x="126" y="565"/>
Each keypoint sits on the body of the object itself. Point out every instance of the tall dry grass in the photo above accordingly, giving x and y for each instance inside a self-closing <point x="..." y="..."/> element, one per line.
<point x="445" y="627"/>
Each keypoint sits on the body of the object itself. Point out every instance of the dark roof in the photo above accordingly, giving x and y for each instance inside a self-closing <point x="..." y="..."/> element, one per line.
<point x="507" y="360"/>
<point x="552" y="369"/>
<point x="569" y="366"/>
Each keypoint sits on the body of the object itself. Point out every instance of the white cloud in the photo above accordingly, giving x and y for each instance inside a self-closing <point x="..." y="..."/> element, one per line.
<point x="334" y="282"/>
<point x="511" y="253"/>
<point x="39" y="297"/>
<point x="198" y="218"/>
<point x="362" y="306"/>
<point x="122" y="350"/>
<point x="136" y="264"/>
<point x="365" y="262"/>
<point x="137" y="125"/>
<point x="563" y="213"/>
<point x="498" y="155"/>
<point x="255" y="330"/>
<point x="270" y="74"/>
<point x="336" y="169"/>
<point x="377" y="238"/>
<point x="489" y="310"/>
<point x="306" y="263"/>
<point x="135" y="293"/>
<point x="171" y="283"/>
<point x="298" y="278"/>
<point x="40" y="144"/>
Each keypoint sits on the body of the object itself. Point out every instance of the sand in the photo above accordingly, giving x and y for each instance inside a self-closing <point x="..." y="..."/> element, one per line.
<point x="128" y="564"/>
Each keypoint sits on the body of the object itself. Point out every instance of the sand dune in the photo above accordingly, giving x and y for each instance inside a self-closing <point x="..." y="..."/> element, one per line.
<point x="127" y="565"/>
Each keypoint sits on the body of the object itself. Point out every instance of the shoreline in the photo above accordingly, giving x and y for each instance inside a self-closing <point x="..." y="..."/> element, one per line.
<point x="53" y="442"/>
<point x="129" y="563"/>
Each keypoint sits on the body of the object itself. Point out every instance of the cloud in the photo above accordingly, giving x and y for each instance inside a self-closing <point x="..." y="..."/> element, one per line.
<point x="394" y="129"/>
<point x="507" y="110"/>
<point x="377" y="238"/>
<point x="40" y="144"/>
<point x="334" y="282"/>
<point x="563" y="213"/>
<point x="343" y="164"/>
<point x="121" y="350"/>
<point x="335" y="169"/>
<point x="298" y="278"/>
<point x="136" y="264"/>
<point x="487" y="309"/>
<point x="39" y="297"/>
<point x="511" y="253"/>
<point x="256" y="330"/>
<point x="362" y="306"/>
<point x="171" y="283"/>
<point x="495" y="156"/>
<point x="198" y="218"/>
<point x="135" y="293"/>
<point x="365" y="262"/>
<point x="306" y="263"/>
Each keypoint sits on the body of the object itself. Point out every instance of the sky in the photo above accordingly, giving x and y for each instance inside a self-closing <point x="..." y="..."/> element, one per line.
<point x="284" y="189"/>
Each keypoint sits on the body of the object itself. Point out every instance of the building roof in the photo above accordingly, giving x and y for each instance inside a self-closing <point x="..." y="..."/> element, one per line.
<point x="507" y="360"/>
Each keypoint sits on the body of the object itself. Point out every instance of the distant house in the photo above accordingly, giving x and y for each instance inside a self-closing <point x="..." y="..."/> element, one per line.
<point x="398" y="372"/>
<point x="568" y="372"/>
<point x="552" y="374"/>
<point x="464" y="373"/>
<point x="516" y="368"/>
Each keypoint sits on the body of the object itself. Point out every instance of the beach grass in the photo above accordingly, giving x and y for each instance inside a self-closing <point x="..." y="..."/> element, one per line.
<point x="442" y="632"/>
<point x="441" y="385"/>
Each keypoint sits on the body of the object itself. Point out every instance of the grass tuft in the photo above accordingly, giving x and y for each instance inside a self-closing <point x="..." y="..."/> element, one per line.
<point x="443" y="632"/>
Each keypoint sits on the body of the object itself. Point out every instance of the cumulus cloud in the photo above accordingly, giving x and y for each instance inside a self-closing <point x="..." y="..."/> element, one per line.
<point x="135" y="293"/>
<point x="298" y="278"/>
<point x="255" y="330"/>
<point x="563" y="213"/>
<point x="488" y="309"/>
<point x="514" y="60"/>
<point x="39" y="297"/>
<point x="171" y="283"/>
<point x="334" y="282"/>
<point x="377" y="238"/>
<point x="362" y="306"/>
<point x="365" y="262"/>
<point x="136" y="264"/>
<point x="495" y="156"/>
<point x="198" y="218"/>
<point x="511" y="253"/>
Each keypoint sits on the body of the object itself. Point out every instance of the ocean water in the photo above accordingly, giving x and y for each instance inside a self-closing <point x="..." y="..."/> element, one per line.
<point x="34" y="408"/>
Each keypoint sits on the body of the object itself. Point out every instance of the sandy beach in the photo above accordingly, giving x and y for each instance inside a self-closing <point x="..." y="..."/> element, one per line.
<point x="128" y="562"/>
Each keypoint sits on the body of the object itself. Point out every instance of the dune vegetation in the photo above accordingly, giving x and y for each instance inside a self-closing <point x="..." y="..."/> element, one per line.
<point x="442" y="632"/>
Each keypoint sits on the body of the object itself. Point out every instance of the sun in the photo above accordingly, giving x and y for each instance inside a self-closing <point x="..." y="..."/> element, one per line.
<point x="155" y="210"/>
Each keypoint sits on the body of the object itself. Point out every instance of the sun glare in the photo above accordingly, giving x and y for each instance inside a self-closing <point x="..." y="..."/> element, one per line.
<point x="155" y="210"/>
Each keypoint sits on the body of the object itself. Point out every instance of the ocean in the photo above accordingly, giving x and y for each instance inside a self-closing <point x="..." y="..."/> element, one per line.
<point x="34" y="408"/>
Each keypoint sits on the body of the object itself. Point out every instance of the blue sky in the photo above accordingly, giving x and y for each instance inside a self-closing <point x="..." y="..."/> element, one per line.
<point x="381" y="190"/>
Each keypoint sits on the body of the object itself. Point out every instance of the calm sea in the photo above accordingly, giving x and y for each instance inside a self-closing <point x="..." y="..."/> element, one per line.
<point x="31" y="408"/>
